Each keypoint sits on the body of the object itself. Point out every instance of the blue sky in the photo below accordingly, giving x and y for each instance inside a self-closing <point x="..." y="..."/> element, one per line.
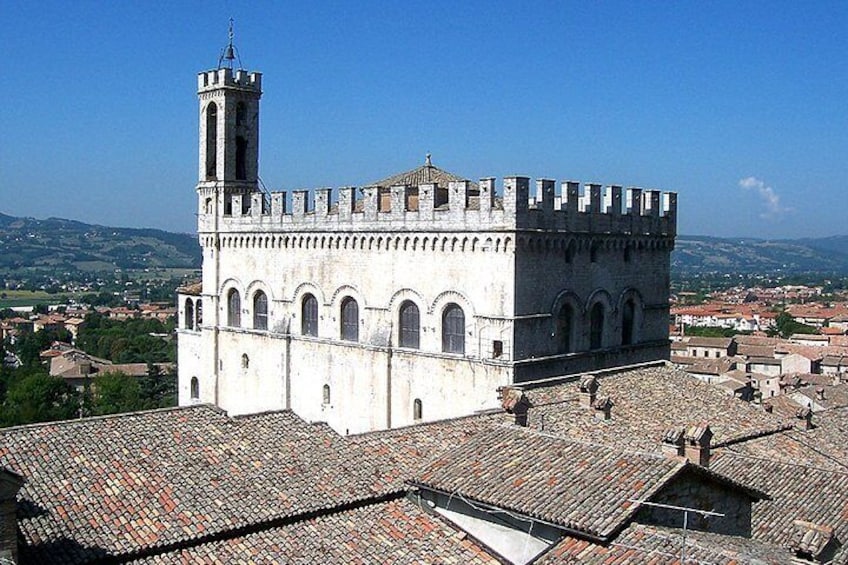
<point x="740" y="107"/>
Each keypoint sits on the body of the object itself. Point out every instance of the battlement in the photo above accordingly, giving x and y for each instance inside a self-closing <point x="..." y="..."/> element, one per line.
<point x="587" y="208"/>
<point x="211" y="80"/>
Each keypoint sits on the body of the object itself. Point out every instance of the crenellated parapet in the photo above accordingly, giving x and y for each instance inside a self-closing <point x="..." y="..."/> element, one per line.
<point x="224" y="77"/>
<point x="572" y="207"/>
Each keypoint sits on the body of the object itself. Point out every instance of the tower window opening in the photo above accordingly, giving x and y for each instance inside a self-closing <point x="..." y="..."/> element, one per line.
<point x="245" y="361"/>
<point x="326" y="394"/>
<point x="417" y="409"/>
<point x="198" y="313"/>
<point x="189" y="314"/>
<point x="195" y="388"/>
<point x="211" y="141"/>
<point x="497" y="348"/>
<point x="241" y="158"/>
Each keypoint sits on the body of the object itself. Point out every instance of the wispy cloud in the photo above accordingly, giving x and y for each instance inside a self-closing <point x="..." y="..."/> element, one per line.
<point x="767" y="194"/>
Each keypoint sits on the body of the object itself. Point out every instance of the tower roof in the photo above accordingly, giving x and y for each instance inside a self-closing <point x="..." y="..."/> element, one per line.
<point x="425" y="174"/>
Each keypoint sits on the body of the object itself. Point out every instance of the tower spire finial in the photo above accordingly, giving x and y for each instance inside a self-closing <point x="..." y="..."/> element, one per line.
<point x="229" y="53"/>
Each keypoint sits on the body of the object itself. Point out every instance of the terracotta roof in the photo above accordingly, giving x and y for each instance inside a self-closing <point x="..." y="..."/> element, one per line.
<point x="192" y="288"/>
<point x="797" y="492"/>
<point x="648" y="401"/>
<point x="720" y="342"/>
<point x="425" y="174"/>
<point x="582" y="487"/>
<point x="114" y="485"/>
<point x="661" y="546"/>
<point x="397" y="531"/>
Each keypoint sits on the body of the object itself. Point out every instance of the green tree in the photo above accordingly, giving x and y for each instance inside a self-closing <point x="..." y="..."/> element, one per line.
<point x="38" y="397"/>
<point x="785" y="325"/>
<point x="158" y="389"/>
<point x="114" y="393"/>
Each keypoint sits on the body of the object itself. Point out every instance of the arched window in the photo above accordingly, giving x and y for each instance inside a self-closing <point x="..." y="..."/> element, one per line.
<point x="211" y="141"/>
<point x="195" y="388"/>
<point x="233" y="308"/>
<point x="198" y="313"/>
<point x="410" y="326"/>
<point x="309" y="316"/>
<point x="417" y="409"/>
<point x="245" y="361"/>
<point x="628" y="318"/>
<point x="628" y="253"/>
<point x="565" y="329"/>
<point x="189" y="314"/>
<point x="350" y="319"/>
<point x="241" y="158"/>
<point x="453" y="329"/>
<point x="260" y="311"/>
<point x="326" y="394"/>
<point x="596" y="326"/>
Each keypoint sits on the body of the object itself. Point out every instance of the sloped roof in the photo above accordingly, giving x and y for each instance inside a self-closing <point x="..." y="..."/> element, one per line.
<point x="397" y="531"/>
<point x="425" y="174"/>
<point x="798" y="492"/>
<point x="640" y="543"/>
<point x="648" y="401"/>
<point x="113" y="486"/>
<point x="579" y="486"/>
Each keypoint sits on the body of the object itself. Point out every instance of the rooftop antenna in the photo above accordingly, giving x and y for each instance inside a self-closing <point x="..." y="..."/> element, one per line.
<point x="230" y="52"/>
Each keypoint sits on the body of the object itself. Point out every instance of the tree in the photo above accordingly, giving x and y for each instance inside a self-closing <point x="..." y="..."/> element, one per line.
<point x="115" y="392"/>
<point x="785" y="325"/>
<point x="38" y="397"/>
<point x="158" y="390"/>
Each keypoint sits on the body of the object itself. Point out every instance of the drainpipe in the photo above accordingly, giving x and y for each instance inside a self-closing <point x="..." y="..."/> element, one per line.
<point x="389" y="355"/>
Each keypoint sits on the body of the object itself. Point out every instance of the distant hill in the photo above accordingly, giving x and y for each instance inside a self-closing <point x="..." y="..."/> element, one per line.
<point x="55" y="244"/>
<point x="700" y="254"/>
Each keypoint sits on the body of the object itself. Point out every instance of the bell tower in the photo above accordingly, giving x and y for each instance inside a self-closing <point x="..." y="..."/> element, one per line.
<point x="228" y="147"/>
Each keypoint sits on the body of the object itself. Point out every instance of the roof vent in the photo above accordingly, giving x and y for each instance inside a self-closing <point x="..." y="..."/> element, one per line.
<point x="588" y="389"/>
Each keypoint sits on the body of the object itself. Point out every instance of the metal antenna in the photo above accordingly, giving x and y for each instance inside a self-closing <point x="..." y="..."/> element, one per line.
<point x="686" y="510"/>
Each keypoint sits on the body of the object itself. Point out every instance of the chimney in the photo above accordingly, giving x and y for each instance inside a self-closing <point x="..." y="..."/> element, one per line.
<point x="602" y="407"/>
<point x="820" y="393"/>
<point x="811" y="543"/>
<point x="697" y="444"/>
<point x="588" y="390"/>
<point x="10" y="484"/>
<point x="672" y="443"/>
<point x="768" y="407"/>
<point x="805" y="417"/>
<point x="513" y="401"/>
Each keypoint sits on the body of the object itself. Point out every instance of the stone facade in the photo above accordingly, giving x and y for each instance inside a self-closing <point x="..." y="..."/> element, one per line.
<point x="388" y="305"/>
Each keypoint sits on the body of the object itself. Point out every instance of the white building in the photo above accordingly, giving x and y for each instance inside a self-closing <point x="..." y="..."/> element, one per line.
<point x="412" y="299"/>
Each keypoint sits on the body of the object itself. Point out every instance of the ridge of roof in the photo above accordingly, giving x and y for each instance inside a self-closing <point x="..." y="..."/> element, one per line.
<point x="425" y="174"/>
